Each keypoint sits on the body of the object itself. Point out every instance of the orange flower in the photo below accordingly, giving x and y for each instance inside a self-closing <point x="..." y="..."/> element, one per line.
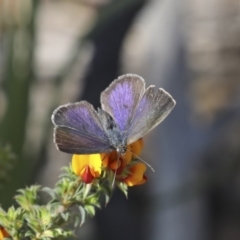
<point x="118" y="162"/>
<point x="3" y="233"/>
<point x="136" y="175"/>
<point x="87" y="167"/>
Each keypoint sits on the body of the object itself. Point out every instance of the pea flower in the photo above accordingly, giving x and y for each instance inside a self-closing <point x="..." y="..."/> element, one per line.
<point x="87" y="167"/>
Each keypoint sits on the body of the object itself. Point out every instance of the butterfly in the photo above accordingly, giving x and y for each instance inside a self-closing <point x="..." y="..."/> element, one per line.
<point x="128" y="112"/>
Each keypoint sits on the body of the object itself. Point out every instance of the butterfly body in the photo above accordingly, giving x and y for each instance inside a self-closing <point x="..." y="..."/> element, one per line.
<point x="117" y="139"/>
<point x="129" y="111"/>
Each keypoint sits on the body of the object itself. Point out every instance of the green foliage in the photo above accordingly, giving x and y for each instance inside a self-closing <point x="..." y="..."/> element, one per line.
<point x="71" y="202"/>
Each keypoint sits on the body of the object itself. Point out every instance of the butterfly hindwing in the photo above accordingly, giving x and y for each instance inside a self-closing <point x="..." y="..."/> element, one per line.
<point x="78" y="129"/>
<point x="153" y="107"/>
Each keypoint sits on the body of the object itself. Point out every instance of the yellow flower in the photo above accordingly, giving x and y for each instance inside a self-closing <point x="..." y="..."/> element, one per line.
<point x="87" y="167"/>
<point x="3" y="233"/>
<point x="136" y="175"/>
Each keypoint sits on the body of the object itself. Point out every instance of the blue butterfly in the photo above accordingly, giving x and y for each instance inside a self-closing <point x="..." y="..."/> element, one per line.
<point x="129" y="111"/>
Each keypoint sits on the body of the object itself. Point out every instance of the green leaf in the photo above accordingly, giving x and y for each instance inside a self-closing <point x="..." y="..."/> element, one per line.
<point x="28" y="196"/>
<point x="90" y="210"/>
<point x="83" y="214"/>
<point x="124" y="188"/>
<point x="48" y="233"/>
<point x="107" y="191"/>
<point x="65" y="216"/>
<point x="50" y="192"/>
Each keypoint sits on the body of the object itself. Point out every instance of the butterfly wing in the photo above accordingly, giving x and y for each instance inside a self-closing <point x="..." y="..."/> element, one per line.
<point x="78" y="129"/>
<point x="152" y="109"/>
<point x="121" y="98"/>
<point x="135" y="111"/>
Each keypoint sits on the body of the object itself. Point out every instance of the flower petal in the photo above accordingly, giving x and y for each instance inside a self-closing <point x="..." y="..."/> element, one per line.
<point x="86" y="175"/>
<point x="137" y="146"/>
<point x="128" y="155"/>
<point x="105" y="159"/>
<point x="136" y="176"/>
<point x="3" y="233"/>
<point x="93" y="161"/>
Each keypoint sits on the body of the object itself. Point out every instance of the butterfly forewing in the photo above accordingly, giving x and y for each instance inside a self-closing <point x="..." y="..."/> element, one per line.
<point x="121" y="98"/>
<point x="152" y="109"/>
<point x="78" y="129"/>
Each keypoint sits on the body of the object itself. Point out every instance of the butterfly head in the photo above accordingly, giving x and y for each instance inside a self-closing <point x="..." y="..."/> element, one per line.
<point x="121" y="149"/>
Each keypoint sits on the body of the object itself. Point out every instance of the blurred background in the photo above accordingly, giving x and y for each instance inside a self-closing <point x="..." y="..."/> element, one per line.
<point x="57" y="51"/>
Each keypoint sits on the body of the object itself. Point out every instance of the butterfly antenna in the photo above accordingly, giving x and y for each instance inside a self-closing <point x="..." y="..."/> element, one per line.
<point x="104" y="157"/>
<point x="141" y="160"/>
